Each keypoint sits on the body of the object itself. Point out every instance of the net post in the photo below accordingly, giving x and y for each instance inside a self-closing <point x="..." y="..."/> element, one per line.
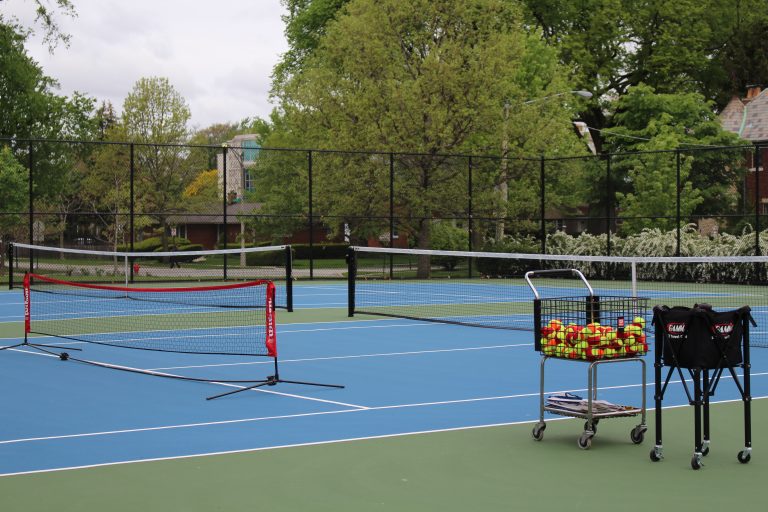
<point x="351" y="276"/>
<point x="271" y="327"/>
<point x="289" y="278"/>
<point x="10" y="266"/>
<point x="27" y="308"/>
<point x="634" y="278"/>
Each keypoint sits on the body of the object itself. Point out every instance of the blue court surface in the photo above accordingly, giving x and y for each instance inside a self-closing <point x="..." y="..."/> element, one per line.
<point x="400" y="377"/>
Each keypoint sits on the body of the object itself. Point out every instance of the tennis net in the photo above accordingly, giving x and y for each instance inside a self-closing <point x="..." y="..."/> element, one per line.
<point x="232" y="319"/>
<point x="273" y="263"/>
<point x="488" y="289"/>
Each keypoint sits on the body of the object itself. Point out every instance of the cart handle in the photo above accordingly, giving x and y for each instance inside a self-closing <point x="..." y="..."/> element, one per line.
<point x="555" y="272"/>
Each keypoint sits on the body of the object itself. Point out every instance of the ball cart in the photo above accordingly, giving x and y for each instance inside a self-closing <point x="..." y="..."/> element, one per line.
<point x="595" y="331"/>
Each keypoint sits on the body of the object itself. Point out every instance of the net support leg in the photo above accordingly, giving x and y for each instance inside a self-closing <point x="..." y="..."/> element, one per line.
<point x="39" y="346"/>
<point x="706" y="394"/>
<point x="273" y="380"/>
<point x="697" y="401"/>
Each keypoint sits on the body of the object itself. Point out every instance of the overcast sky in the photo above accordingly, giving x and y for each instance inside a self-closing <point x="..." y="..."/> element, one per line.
<point x="218" y="55"/>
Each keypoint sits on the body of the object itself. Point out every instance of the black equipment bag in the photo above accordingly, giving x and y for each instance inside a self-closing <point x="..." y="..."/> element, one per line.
<point x="700" y="337"/>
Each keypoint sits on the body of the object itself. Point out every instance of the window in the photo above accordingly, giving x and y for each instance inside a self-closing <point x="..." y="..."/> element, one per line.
<point x="248" y="180"/>
<point x="250" y="150"/>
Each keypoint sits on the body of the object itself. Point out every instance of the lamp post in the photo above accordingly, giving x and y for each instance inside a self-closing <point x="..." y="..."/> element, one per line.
<point x="503" y="186"/>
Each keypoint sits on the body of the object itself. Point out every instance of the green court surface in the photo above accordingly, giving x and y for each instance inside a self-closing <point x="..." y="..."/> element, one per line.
<point x="495" y="468"/>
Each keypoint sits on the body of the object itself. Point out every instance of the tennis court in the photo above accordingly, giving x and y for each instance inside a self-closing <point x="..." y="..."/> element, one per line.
<point x="432" y="417"/>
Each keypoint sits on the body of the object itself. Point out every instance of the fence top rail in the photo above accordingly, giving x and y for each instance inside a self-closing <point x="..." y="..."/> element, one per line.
<point x="159" y="254"/>
<point x="566" y="257"/>
<point x="535" y="158"/>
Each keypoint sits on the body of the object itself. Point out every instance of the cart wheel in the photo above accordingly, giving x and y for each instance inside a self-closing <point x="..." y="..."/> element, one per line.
<point x="638" y="434"/>
<point x="656" y="455"/>
<point x="744" y="456"/>
<point x="696" y="461"/>
<point x="705" y="448"/>
<point x="585" y="441"/>
<point x="538" y="431"/>
<point x="594" y="426"/>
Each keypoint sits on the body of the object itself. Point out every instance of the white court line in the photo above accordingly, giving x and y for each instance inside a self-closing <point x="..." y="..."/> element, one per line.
<point x="326" y="413"/>
<point x="360" y="356"/>
<point x="280" y="331"/>
<point x="155" y="373"/>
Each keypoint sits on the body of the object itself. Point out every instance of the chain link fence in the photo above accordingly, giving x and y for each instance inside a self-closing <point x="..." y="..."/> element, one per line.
<point x="139" y="197"/>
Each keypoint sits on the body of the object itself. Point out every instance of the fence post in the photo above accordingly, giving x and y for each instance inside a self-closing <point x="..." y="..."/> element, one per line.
<point x="609" y="202"/>
<point x="10" y="266"/>
<point x="470" y="227"/>
<point x="758" y="252"/>
<point x="543" y="228"/>
<point x="677" y="213"/>
<point x="132" y="207"/>
<point x="31" y="204"/>
<point x="391" y="212"/>
<point x="225" y="156"/>
<point x="311" y="220"/>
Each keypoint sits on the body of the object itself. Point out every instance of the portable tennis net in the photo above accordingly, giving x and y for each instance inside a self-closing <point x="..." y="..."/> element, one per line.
<point x="229" y="319"/>
<point x="273" y="263"/>
<point x="486" y="289"/>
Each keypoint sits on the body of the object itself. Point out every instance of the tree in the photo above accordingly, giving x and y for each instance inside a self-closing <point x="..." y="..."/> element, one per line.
<point x="13" y="200"/>
<point x="29" y="109"/>
<point x="305" y="24"/>
<point x="649" y="121"/>
<point x="420" y="77"/>
<point x="155" y="116"/>
<point x="106" y="184"/>
<point x="706" y="46"/>
<point x="24" y="89"/>
<point x="203" y="190"/>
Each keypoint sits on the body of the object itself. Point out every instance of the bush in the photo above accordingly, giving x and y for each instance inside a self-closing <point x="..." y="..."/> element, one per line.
<point x="153" y="244"/>
<point x="508" y="268"/>
<point x="269" y="258"/>
<point x="325" y="251"/>
<point x="447" y="237"/>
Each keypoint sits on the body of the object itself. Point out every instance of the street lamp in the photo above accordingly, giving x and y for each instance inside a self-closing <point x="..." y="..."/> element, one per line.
<point x="503" y="186"/>
<point x="581" y="93"/>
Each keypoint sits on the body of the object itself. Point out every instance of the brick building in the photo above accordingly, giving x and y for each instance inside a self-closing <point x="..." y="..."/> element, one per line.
<point x="748" y="117"/>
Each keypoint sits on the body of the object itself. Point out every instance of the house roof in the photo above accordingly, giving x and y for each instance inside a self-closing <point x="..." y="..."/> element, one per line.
<point x="233" y="211"/>
<point x="747" y="117"/>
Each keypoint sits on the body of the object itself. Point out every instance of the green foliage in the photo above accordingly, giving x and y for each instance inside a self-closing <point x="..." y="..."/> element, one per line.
<point x="426" y="81"/>
<point x="13" y="200"/>
<point x="447" y="237"/>
<point x="305" y="25"/>
<point x="13" y="183"/>
<point x="13" y="193"/>
<point x="710" y="47"/>
<point x="28" y="106"/>
<point x="155" y="243"/>
<point x="180" y="246"/>
<point x="320" y="251"/>
<point x="646" y="184"/>
<point x="155" y="115"/>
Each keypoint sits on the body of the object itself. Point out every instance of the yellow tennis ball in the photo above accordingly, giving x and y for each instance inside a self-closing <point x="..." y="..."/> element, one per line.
<point x="639" y="321"/>
<point x="555" y="324"/>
